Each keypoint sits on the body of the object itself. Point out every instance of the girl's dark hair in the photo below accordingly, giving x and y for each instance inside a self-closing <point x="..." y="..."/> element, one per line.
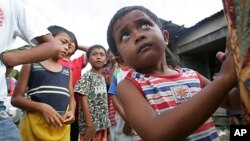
<point x="94" y="47"/>
<point x="170" y="58"/>
<point x="72" y="36"/>
<point x="108" y="64"/>
<point x="119" y="15"/>
<point x="55" y="30"/>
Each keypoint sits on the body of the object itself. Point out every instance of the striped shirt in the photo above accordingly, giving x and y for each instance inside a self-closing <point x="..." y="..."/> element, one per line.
<point x="165" y="92"/>
<point x="49" y="87"/>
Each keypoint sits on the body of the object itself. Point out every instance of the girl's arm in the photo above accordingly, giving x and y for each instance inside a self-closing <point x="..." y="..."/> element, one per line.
<point x="83" y="48"/>
<point x="90" y="134"/>
<point x="18" y="99"/>
<point x="118" y="107"/>
<point x="127" y="129"/>
<point x="70" y="114"/>
<point x="113" y="93"/>
<point x="231" y="101"/>
<point x="190" y="114"/>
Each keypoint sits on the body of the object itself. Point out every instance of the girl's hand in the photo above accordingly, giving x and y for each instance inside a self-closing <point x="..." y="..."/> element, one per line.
<point x="220" y="56"/>
<point x="127" y="129"/>
<point x="90" y="134"/>
<point x="228" y="68"/>
<point x="113" y="60"/>
<point x="69" y="117"/>
<point x="51" y="115"/>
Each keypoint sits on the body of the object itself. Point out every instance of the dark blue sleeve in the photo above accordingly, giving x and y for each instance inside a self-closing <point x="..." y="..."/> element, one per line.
<point x="112" y="88"/>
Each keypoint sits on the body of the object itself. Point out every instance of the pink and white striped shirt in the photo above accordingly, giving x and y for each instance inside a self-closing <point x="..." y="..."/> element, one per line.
<point x="165" y="92"/>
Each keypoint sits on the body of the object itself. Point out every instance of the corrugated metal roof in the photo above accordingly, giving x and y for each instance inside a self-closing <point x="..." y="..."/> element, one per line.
<point x="176" y="31"/>
<point x="173" y="29"/>
<point x="208" y="19"/>
<point x="205" y="20"/>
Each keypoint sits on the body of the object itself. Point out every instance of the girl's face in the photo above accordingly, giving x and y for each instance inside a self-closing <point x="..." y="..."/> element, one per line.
<point x="97" y="58"/>
<point x="111" y="57"/>
<point x="65" y="43"/>
<point x="72" y="48"/>
<point x="139" y="40"/>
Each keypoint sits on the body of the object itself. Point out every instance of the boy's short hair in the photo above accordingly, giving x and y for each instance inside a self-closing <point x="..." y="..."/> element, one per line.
<point x="94" y="47"/>
<point x="55" y="30"/>
<point x="119" y="15"/>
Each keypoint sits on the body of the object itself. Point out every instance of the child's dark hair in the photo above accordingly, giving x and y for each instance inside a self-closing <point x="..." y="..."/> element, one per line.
<point x="119" y="15"/>
<point x="55" y="30"/>
<point x="94" y="47"/>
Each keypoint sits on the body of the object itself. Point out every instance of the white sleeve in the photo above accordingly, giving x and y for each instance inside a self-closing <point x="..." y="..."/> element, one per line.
<point x="30" y="23"/>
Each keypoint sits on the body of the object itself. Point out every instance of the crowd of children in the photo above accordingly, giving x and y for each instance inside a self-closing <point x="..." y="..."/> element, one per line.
<point x="134" y="91"/>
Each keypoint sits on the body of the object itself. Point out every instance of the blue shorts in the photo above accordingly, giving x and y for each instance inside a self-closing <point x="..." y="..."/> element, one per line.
<point x="233" y="113"/>
<point x="8" y="130"/>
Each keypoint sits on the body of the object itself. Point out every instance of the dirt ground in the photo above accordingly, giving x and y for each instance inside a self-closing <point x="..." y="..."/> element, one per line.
<point x="224" y="138"/>
<point x="224" y="135"/>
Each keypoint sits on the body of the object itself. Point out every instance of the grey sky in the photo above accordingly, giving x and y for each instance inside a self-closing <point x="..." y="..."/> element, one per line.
<point x="89" y="19"/>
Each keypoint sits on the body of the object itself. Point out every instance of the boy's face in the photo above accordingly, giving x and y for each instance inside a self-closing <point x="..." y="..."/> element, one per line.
<point x="97" y="58"/>
<point x="139" y="40"/>
<point x="65" y="44"/>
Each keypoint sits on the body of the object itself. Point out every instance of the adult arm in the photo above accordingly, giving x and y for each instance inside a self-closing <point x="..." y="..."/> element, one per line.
<point x="46" y="48"/>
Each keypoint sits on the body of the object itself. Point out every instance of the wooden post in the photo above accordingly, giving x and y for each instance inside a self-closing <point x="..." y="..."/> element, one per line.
<point x="237" y="13"/>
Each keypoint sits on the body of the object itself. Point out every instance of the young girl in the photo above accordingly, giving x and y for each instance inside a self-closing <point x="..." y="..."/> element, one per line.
<point x="93" y="114"/>
<point x="50" y="107"/>
<point x="160" y="102"/>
